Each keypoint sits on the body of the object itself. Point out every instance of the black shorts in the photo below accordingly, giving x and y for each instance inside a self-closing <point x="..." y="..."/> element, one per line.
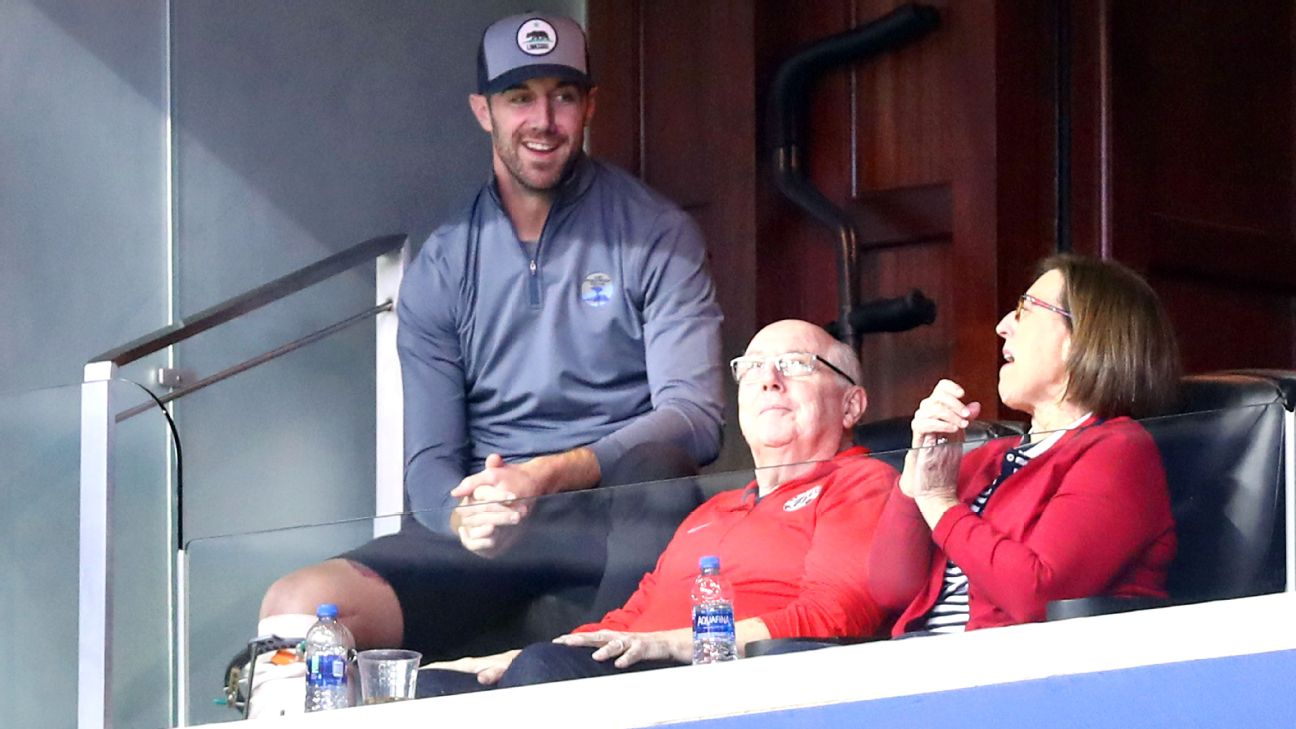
<point x="581" y="555"/>
<point x="453" y="602"/>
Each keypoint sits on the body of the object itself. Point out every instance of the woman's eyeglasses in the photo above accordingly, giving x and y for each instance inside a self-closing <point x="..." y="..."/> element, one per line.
<point x="1033" y="301"/>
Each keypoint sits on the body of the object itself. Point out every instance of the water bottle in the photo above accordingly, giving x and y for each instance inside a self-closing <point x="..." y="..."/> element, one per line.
<point x="329" y="646"/>
<point x="713" y="617"/>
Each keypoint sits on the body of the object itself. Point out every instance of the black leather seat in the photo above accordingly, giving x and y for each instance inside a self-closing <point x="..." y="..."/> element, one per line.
<point x="1222" y="449"/>
<point x="1223" y="456"/>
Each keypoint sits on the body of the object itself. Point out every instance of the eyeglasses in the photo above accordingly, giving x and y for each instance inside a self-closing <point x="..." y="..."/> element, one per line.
<point x="789" y="364"/>
<point x="1033" y="301"/>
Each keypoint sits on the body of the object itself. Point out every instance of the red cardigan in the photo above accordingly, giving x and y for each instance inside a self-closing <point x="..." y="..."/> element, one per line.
<point x="796" y="558"/>
<point x="1089" y="516"/>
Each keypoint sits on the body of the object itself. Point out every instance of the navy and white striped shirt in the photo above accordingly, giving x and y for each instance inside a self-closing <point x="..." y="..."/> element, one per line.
<point x="950" y="613"/>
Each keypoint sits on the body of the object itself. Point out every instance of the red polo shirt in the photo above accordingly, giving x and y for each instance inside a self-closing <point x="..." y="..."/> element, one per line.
<point x="797" y="558"/>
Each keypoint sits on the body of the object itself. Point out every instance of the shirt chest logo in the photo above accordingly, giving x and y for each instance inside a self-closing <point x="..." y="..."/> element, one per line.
<point x="802" y="500"/>
<point x="597" y="289"/>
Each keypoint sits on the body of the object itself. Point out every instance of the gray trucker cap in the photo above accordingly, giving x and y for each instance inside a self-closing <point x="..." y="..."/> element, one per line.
<point x="522" y="47"/>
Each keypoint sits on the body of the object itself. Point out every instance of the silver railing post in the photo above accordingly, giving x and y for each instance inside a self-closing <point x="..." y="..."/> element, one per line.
<point x="94" y="607"/>
<point x="389" y="497"/>
<point x="1289" y="465"/>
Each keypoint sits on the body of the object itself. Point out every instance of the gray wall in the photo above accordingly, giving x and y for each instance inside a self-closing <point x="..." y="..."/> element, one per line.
<point x="82" y="183"/>
<point x="299" y="128"/>
<point x="302" y="128"/>
<point x="83" y="263"/>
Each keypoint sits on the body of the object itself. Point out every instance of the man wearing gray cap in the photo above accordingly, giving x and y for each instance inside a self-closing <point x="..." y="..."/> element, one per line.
<point x="560" y="333"/>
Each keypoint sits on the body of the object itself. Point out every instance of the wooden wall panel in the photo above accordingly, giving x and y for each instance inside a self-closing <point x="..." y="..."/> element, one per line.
<point x="1089" y="95"/>
<point x="974" y="287"/>
<point x="796" y="266"/>
<point x="901" y="109"/>
<point x="1203" y="195"/>
<point x="616" y="54"/>
<point x="677" y="106"/>
<point x="1025" y="144"/>
<point x="1259" y="325"/>
<point x="927" y="136"/>
<point x="946" y="155"/>
<point x="881" y="143"/>
<point x="948" y="146"/>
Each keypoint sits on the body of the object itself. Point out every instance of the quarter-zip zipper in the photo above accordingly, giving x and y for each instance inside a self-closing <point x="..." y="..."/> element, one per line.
<point x="534" y="264"/>
<point x="535" y="278"/>
<point x="533" y="257"/>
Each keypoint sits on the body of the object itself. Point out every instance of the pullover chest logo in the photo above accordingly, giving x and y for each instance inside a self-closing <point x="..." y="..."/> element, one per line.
<point x="802" y="500"/>
<point x="596" y="290"/>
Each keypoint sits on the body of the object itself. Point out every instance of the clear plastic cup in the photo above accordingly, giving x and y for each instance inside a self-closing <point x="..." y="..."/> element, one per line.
<point x="387" y="675"/>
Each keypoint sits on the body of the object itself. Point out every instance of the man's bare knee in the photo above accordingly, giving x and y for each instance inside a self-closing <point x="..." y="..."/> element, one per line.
<point x="337" y="581"/>
<point x="303" y="590"/>
<point x="367" y="604"/>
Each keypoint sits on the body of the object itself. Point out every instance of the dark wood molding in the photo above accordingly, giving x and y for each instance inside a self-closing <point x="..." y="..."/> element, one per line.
<point x="1182" y="133"/>
<point x="615" y="49"/>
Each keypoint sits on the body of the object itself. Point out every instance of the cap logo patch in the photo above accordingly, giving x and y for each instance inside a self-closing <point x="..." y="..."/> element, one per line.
<point x="536" y="37"/>
<point x="596" y="289"/>
<point x="802" y="499"/>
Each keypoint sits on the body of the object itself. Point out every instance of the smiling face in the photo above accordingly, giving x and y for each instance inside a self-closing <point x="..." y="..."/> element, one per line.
<point x="1033" y="378"/>
<point x="537" y="130"/>
<point x="795" y="419"/>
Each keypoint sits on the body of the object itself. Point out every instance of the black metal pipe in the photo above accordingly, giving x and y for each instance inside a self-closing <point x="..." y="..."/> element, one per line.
<point x="898" y="314"/>
<point x="787" y="102"/>
<point x="894" y="315"/>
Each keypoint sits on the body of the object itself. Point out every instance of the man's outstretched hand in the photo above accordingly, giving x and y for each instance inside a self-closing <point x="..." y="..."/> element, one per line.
<point x="488" y="668"/>
<point x="625" y="649"/>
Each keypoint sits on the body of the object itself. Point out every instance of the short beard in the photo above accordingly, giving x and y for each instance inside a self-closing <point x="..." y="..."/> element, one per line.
<point x="513" y="163"/>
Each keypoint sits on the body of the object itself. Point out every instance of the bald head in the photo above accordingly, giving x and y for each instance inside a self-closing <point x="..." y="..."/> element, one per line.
<point x="811" y="339"/>
<point x="790" y="417"/>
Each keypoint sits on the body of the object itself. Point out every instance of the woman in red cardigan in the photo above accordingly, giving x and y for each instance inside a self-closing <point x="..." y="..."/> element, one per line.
<point x="1079" y="507"/>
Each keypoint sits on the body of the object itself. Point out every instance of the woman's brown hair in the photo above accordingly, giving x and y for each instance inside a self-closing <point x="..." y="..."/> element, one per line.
<point x="1124" y="359"/>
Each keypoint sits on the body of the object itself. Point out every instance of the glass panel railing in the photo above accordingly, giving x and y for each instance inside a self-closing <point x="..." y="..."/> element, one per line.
<point x="38" y="554"/>
<point x="290" y="442"/>
<point x="229" y="574"/>
<point x="226" y="578"/>
<point x="1223" y="470"/>
<point x="40" y="522"/>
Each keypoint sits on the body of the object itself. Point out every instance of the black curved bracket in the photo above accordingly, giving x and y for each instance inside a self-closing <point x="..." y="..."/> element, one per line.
<point x="788" y="101"/>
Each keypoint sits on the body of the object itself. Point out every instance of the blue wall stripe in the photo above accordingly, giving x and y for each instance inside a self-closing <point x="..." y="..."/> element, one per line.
<point x="1255" y="691"/>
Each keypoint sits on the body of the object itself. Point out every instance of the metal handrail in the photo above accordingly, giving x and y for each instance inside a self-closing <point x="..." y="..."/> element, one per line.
<point x="260" y="359"/>
<point x="99" y="418"/>
<point x="252" y="300"/>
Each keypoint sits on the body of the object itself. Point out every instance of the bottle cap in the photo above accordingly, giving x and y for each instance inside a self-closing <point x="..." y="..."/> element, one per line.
<point x="326" y="610"/>
<point x="709" y="562"/>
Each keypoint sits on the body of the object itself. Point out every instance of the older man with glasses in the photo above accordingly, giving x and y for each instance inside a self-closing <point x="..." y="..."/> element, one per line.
<point x="794" y="542"/>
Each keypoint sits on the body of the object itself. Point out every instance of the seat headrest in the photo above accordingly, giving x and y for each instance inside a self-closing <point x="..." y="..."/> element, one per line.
<point x="1199" y="393"/>
<point x="1222" y="452"/>
<point x="1284" y="380"/>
